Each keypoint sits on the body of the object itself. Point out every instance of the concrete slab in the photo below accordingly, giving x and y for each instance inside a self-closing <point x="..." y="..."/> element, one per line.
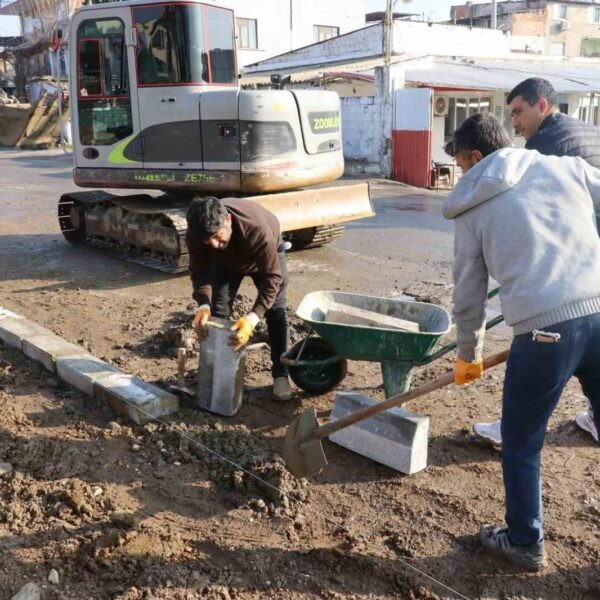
<point x="352" y="315"/>
<point x="14" y="329"/>
<point x="83" y="370"/>
<point x="395" y="438"/>
<point x="220" y="382"/>
<point x="46" y="349"/>
<point x="134" y="398"/>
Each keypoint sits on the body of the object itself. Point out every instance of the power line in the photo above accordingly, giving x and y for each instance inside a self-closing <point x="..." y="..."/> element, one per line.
<point x="330" y="520"/>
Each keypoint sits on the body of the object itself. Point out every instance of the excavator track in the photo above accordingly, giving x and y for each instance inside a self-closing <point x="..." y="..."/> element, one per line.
<point x="314" y="237"/>
<point x="141" y="230"/>
<point x="138" y="229"/>
<point x="151" y="231"/>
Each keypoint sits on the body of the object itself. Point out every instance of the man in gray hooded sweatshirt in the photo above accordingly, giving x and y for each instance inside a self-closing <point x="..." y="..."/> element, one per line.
<point x="527" y="220"/>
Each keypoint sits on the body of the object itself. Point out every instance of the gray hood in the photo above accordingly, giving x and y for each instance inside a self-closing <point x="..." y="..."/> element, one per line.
<point x="491" y="176"/>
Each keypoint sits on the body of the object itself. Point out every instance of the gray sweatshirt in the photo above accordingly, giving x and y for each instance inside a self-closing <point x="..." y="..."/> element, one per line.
<point x="528" y="221"/>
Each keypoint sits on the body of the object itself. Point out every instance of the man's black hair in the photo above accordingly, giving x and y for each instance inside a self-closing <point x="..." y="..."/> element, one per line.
<point x="481" y="131"/>
<point x="532" y="89"/>
<point x="205" y="216"/>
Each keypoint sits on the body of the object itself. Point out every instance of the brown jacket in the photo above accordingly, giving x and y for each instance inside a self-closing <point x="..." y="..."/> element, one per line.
<point x="252" y="250"/>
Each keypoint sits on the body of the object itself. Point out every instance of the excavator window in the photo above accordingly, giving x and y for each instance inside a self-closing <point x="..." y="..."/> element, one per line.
<point x="182" y="44"/>
<point x="104" y="103"/>
<point x="221" y="45"/>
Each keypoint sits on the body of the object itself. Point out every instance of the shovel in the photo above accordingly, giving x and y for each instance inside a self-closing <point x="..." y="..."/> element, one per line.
<point x="302" y="448"/>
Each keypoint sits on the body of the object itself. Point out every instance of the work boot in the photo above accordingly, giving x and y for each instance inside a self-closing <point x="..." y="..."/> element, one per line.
<point x="282" y="388"/>
<point x="585" y="420"/>
<point x="489" y="432"/>
<point x="496" y="540"/>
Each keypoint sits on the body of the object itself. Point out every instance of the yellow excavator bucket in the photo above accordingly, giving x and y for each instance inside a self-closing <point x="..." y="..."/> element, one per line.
<point x="317" y="206"/>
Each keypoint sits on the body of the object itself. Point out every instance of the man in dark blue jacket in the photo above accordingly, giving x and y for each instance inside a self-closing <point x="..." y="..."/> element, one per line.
<point x="535" y="115"/>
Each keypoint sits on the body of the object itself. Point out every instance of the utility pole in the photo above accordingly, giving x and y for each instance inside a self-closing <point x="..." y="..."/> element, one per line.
<point x="494" y="10"/>
<point x="388" y="32"/>
<point x="291" y="24"/>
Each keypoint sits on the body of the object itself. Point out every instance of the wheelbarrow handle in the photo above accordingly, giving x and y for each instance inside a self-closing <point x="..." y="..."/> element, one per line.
<point x="400" y="399"/>
<point x="452" y="346"/>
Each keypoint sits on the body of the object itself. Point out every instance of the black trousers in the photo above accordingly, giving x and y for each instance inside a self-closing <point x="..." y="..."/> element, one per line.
<point x="224" y="290"/>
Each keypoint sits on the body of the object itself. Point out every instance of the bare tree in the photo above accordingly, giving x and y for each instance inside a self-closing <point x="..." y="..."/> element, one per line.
<point x="39" y="20"/>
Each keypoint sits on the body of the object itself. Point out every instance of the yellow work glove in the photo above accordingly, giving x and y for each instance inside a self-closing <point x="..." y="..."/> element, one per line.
<point x="200" y="321"/>
<point x="465" y="372"/>
<point x="242" y="330"/>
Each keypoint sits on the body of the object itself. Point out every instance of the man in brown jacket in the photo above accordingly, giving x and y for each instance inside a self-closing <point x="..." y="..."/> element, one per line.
<point x="227" y="240"/>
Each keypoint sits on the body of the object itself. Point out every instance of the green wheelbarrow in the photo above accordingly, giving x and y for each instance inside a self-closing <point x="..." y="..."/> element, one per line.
<point x="317" y="364"/>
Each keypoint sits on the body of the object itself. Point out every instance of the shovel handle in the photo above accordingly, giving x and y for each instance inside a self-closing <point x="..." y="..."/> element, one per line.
<point x="400" y="399"/>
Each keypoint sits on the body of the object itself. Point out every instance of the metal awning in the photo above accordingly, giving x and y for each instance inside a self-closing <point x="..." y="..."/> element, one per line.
<point x="505" y="74"/>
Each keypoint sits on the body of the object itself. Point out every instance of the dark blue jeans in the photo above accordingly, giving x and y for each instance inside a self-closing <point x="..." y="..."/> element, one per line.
<point x="536" y="374"/>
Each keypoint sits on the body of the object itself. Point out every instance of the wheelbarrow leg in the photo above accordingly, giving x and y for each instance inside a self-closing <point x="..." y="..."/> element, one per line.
<point x="397" y="375"/>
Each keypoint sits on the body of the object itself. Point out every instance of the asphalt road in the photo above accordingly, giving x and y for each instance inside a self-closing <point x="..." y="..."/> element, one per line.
<point x="407" y="243"/>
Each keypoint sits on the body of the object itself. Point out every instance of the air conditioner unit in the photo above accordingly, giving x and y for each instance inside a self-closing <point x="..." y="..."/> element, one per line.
<point x="565" y="25"/>
<point x="440" y="106"/>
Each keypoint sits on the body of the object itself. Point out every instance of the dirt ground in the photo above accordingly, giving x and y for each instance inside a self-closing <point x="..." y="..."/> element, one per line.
<point x="129" y="512"/>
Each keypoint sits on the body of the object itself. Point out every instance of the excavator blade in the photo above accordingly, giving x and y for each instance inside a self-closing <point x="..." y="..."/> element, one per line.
<point x="319" y="206"/>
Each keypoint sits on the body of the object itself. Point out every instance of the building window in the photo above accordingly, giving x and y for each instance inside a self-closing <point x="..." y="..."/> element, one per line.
<point x="590" y="47"/>
<point x="594" y="14"/>
<point x="325" y="32"/>
<point x="557" y="49"/>
<point x="461" y="108"/>
<point x="563" y="107"/>
<point x="560" y="11"/>
<point x="246" y="33"/>
<point x="588" y="109"/>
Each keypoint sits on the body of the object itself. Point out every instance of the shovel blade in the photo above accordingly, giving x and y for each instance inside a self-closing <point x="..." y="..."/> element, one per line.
<point x="302" y="451"/>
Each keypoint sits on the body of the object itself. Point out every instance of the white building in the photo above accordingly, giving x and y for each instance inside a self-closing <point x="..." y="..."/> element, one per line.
<point x="266" y="28"/>
<point x="396" y="117"/>
<point x="9" y="26"/>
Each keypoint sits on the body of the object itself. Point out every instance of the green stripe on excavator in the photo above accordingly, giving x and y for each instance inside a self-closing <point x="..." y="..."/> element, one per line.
<point x="116" y="156"/>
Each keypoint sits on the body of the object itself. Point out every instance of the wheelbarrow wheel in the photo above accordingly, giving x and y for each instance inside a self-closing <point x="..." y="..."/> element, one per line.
<point x="317" y="379"/>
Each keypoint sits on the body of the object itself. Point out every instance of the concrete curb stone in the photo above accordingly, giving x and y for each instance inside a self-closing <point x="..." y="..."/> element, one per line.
<point x="126" y="394"/>
<point x="82" y="370"/>
<point x="13" y="330"/>
<point x="135" y="398"/>
<point x="46" y="349"/>
<point x="396" y="438"/>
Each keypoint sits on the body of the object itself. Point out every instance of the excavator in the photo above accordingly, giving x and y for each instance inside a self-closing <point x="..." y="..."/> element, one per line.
<point x="156" y="106"/>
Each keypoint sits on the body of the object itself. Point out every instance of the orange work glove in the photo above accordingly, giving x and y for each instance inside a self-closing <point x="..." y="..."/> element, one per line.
<point x="242" y="330"/>
<point x="200" y="321"/>
<point x="465" y="372"/>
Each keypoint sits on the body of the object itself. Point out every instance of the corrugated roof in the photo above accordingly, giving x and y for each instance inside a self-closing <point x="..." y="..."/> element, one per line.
<point x="505" y="74"/>
<point x="11" y="9"/>
<point x="472" y="74"/>
<point x="307" y="73"/>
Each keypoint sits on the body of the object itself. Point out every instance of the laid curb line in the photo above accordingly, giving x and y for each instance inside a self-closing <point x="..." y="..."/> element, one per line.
<point x="128" y="395"/>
